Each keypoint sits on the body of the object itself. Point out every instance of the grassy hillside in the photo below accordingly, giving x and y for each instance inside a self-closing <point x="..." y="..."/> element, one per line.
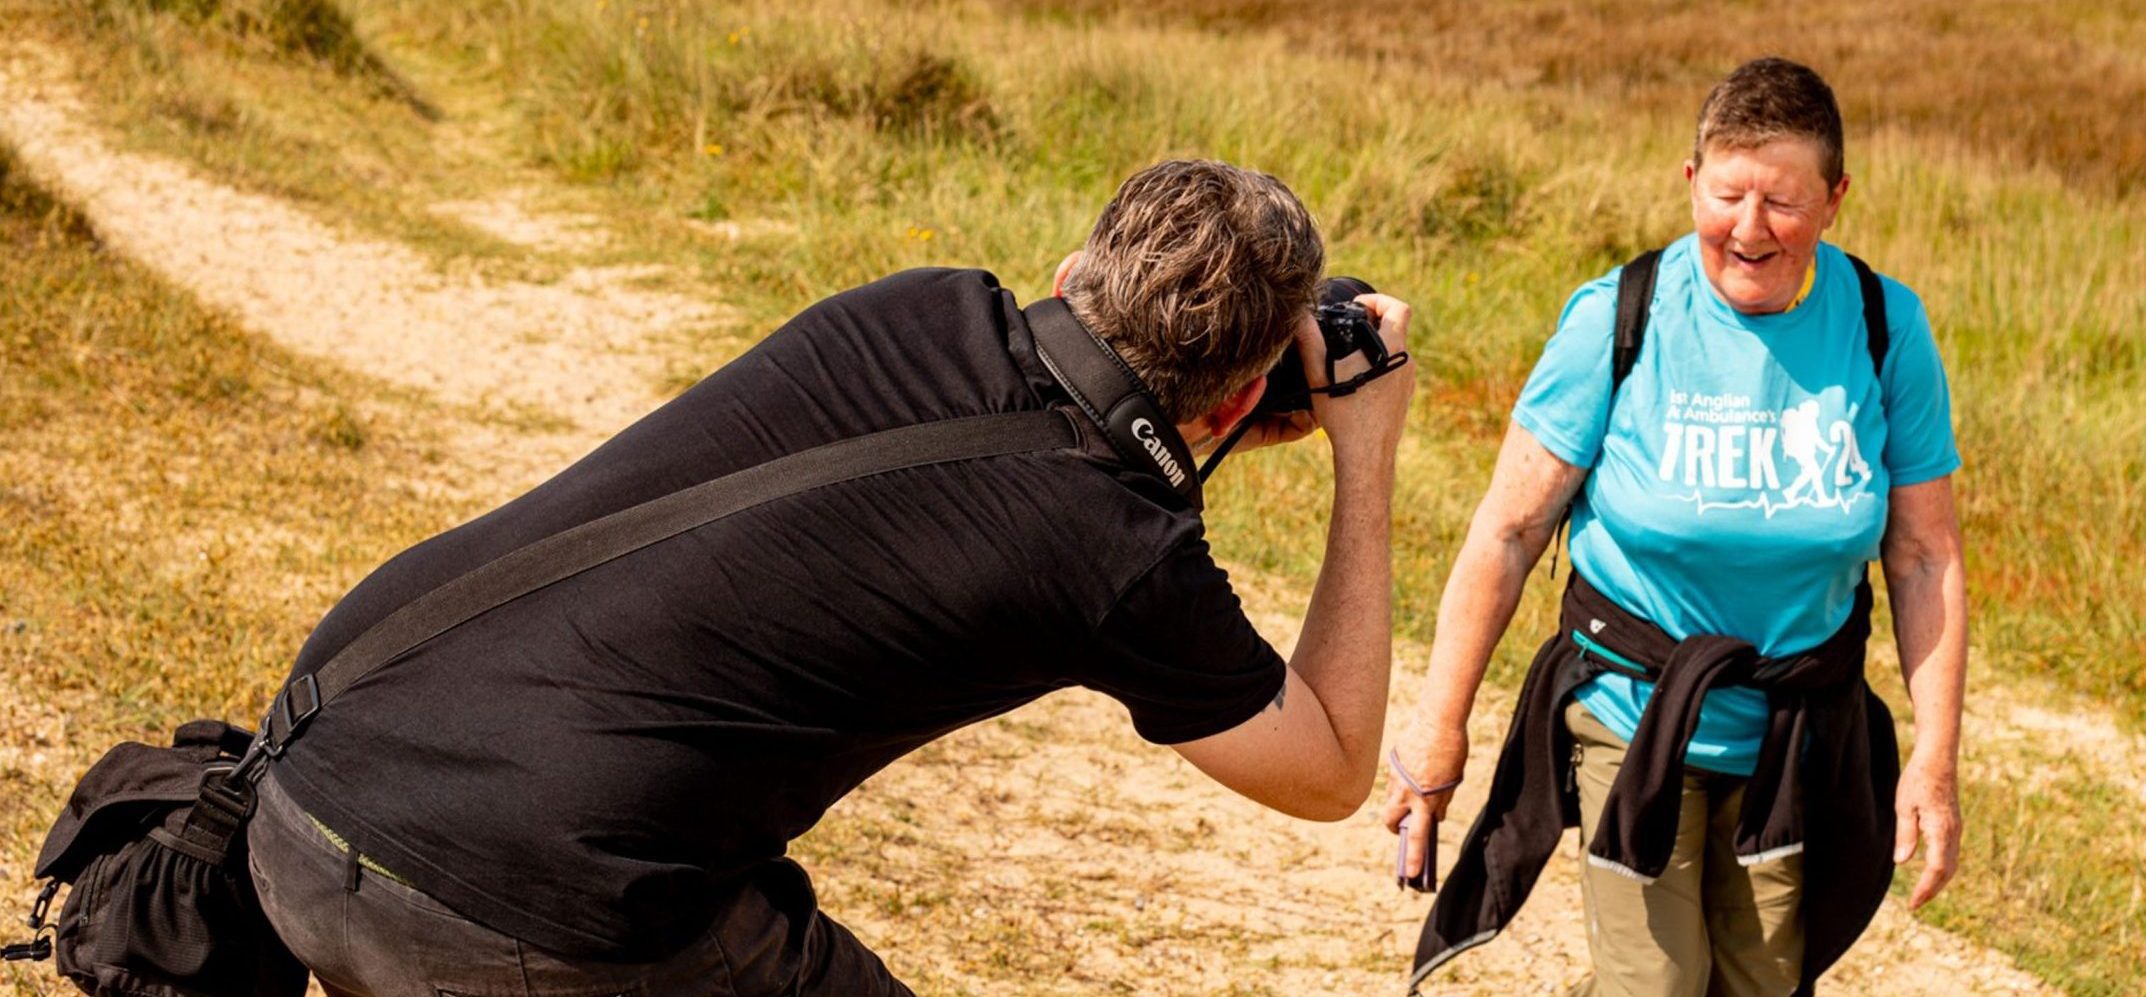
<point x="1479" y="162"/>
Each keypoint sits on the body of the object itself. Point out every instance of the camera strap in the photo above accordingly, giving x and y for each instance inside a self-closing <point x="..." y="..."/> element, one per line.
<point x="1114" y="397"/>
<point x="566" y="554"/>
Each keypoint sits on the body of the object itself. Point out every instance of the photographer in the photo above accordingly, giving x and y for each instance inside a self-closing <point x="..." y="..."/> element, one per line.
<point x="590" y="788"/>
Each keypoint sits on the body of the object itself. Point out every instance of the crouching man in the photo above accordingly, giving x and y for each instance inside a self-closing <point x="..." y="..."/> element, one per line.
<point x="589" y="788"/>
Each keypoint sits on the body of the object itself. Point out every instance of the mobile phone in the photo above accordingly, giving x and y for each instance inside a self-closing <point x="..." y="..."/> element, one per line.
<point x="1427" y="880"/>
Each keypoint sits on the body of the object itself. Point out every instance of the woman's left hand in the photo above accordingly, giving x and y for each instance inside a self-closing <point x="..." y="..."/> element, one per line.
<point x="1927" y="808"/>
<point x="1925" y="572"/>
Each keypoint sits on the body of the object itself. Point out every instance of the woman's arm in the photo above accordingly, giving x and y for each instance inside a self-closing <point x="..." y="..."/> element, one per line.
<point x="1925" y="572"/>
<point x="1528" y="494"/>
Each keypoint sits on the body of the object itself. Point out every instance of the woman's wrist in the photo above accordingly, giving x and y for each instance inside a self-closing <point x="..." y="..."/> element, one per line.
<point x="1434" y="730"/>
<point x="1935" y="754"/>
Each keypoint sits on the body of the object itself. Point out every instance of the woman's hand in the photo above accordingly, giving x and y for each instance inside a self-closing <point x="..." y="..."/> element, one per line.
<point x="1927" y="809"/>
<point x="1925" y="572"/>
<point x="1528" y="492"/>
<point x="1433" y="757"/>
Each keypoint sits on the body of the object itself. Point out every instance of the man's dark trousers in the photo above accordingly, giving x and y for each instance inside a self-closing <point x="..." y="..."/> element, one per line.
<point x="365" y="934"/>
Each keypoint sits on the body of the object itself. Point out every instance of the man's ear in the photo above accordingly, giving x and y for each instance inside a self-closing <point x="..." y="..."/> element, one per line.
<point x="1065" y="266"/>
<point x="1235" y="408"/>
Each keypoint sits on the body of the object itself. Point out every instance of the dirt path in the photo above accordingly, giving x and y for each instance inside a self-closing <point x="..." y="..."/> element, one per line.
<point x="1047" y="851"/>
<point x="569" y="351"/>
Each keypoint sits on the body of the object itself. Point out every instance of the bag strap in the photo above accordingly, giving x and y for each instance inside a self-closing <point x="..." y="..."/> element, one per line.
<point x="1635" y="298"/>
<point x="568" y="553"/>
<point x="1877" y="330"/>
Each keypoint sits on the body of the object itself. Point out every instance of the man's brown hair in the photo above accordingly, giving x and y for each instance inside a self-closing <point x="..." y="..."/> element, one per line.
<point x="1197" y="273"/>
<point x="1768" y="99"/>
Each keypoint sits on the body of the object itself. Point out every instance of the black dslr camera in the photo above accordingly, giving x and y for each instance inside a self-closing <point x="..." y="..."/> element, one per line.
<point x="1348" y="330"/>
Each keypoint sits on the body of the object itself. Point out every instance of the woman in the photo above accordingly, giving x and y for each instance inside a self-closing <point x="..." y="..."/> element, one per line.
<point x="1726" y="495"/>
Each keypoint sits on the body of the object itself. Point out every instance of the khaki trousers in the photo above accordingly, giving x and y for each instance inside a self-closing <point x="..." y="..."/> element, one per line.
<point x="1709" y="925"/>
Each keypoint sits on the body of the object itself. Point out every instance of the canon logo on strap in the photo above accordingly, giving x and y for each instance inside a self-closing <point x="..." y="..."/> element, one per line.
<point x="1112" y="396"/>
<point x="1144" y="431"/>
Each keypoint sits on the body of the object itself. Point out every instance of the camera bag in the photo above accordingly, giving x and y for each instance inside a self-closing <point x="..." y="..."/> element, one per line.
<point x="153" y="839"/>
<point x="162" y="905"/>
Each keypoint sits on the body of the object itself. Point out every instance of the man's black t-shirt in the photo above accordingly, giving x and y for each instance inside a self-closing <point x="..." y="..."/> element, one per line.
<point x="583" y="767"/>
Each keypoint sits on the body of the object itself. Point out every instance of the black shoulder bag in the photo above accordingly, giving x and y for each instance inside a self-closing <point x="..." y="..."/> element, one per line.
<point x="153" y="839"/>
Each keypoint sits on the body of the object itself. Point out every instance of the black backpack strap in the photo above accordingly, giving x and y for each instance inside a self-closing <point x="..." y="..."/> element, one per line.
<point x="568" y="553"/>
<point x="1635" y="297"/>
<point x="1877" y="332"/>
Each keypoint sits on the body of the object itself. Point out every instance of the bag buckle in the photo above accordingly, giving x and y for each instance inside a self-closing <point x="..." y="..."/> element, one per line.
<point x="31" y="951"/>
<point x="39" y="947"/>
<point x="293" y="707"/>
<point x="232" y="796"/>
<point x="42" y="904"/>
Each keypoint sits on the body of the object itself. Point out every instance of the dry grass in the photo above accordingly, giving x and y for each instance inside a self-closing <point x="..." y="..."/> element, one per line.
<point x="182" y="502"/>
<point x="2038" y="84"/>
<point x="131" y="419"/>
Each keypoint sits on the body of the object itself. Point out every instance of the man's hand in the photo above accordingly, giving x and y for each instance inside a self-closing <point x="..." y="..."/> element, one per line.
<point x="1268" y="430"/>
<point x="1314" y="752"/>
<point x="1927" y="808"/>
<point x="1433" y="757"/>
<point x="1392" y="316"/>
<point x="1365" y="425"/>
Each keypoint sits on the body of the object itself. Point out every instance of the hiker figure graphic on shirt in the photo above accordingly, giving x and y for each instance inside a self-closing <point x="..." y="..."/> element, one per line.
<point x="1801" y="440"/>
<point x="1731" y="455"/>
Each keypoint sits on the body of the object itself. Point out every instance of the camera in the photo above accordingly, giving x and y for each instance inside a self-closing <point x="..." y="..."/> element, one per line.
<point x="1348" y="330"/>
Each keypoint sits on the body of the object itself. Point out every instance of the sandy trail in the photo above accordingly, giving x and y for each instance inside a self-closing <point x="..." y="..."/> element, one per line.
<point x="572" y="350"/>
<point x="1047" y="851"/>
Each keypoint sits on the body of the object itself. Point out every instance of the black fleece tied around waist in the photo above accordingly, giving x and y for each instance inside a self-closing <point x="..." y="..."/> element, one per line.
<point x="1831" y="800"/>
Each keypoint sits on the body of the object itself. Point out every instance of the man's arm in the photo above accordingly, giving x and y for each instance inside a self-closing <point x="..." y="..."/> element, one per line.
<point x="1312" y="752"/>
<point x="1925" y="572"/>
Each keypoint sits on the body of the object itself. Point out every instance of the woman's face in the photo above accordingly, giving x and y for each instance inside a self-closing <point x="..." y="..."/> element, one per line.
<point x="1759" y="213"/>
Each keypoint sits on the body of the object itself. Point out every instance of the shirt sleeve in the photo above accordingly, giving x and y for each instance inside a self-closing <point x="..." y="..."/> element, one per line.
<point x="1919" y="444"/>
<point x="1178" y="651"/>
<point x="1565" y="403"/>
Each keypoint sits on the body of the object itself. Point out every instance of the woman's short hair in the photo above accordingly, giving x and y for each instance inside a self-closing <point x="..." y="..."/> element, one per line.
<point x="1197" y="273"/>
<point x="1768" y="99"/>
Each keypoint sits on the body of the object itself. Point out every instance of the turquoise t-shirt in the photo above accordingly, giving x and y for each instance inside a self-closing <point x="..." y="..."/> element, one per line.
<point x="1741" y="482"/>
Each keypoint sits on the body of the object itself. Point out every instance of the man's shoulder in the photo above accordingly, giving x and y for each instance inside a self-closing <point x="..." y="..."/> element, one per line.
<point x="922" y="285"/>
<point x="902" y="310"/>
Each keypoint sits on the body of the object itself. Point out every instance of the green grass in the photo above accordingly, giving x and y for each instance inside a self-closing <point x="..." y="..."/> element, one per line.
<point x="2058" y="862"/>
<point x="1479" y="163"/>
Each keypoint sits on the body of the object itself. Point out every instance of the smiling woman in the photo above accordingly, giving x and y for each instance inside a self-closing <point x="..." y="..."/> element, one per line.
<point x="1770" y="189"/>
<point x="1780" y="421"/>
